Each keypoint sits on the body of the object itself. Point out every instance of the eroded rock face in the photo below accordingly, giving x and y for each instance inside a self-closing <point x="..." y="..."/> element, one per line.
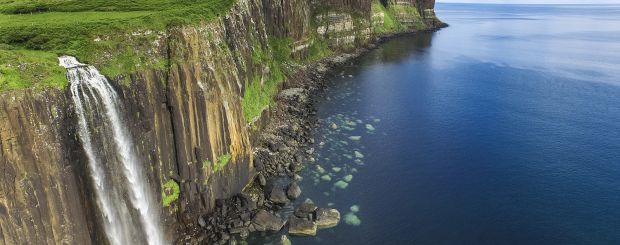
<point x="40" y="182"/>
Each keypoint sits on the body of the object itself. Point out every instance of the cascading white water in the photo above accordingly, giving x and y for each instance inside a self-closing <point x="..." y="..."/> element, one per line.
<point x="101" y="127"/>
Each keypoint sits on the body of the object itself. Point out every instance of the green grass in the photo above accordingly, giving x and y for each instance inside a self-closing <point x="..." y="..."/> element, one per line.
<point x="96" y="31"/>
<point x="170" y="192"/>
<point x="21" y="69"/>
<point x="30" y="6"/>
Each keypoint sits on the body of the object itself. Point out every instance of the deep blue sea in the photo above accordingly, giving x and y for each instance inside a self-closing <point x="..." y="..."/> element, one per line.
<point x="503" y="128"/>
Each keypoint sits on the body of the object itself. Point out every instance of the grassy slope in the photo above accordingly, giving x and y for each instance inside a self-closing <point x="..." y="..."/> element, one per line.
<point x="36" y="32"/>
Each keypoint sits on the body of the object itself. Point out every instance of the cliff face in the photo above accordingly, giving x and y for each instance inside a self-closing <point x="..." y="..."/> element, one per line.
<point x="191" y="120"/>
<point x="41" y="199"/>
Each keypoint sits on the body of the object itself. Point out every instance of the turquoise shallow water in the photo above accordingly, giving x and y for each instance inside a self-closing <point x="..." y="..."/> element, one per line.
<point x="502" y="129"/>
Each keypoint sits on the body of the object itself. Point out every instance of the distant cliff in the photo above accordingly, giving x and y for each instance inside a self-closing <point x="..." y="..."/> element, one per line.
<point x="191" y="101"/>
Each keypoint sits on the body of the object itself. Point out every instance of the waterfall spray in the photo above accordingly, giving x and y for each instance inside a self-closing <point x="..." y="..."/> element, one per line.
<point x="100" y="121"/>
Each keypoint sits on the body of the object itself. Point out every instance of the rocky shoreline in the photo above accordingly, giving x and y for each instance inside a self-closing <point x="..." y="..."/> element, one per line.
<point x="280" y="150"/>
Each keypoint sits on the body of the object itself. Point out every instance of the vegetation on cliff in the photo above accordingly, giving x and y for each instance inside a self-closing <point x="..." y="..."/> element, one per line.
<point x="259" y="92"/>
<point x="36" y="32"/>
<point x="170" y="192"/>
<point x="384" y="20"/>
<point x="396" y="18"/>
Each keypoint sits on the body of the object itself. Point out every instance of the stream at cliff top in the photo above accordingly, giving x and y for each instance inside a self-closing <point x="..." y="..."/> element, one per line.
<point x="114" y="167"/>
<point x="503" y="128"/>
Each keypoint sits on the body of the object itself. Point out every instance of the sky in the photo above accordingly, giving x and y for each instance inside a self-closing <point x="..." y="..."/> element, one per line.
<point x="535" y="1"/>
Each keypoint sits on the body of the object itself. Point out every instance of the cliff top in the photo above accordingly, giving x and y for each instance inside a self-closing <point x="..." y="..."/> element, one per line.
<point x="33" y="33"/>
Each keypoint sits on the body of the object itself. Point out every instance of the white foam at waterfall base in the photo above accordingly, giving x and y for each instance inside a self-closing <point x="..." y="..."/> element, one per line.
<point x="91" y="92"/>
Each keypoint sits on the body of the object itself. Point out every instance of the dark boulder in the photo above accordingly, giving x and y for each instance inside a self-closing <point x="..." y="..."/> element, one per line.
<point x="293" y="191"/>
<point x="266" y="221"/>
<point x="304" y="209"/>
<point x="278" y="196"/>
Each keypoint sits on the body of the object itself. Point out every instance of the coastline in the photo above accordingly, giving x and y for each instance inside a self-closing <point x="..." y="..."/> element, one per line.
<point x="281" y="147"/>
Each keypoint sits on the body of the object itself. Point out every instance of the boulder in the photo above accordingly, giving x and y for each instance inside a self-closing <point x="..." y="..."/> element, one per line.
<point x="258" y="164"/>
<point x="265" y="221"/>
<point x="305" y="210"/>
<point x="278" y="196"/>
<point x="261" y="180"/>
<point x="202" y="222"/>
<point x="307" y="207"/>
<point x="352" y="219"/>
<point x="293" y="191"/>
<point x="327" y="217"/>
<point x="301" y="227"/>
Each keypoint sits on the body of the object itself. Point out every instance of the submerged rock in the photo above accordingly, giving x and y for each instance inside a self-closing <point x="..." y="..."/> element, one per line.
<point x="301" y="227"/>
<point x="358" y="154"/>
<point x="370" y="127"/>
<point x="266" y="221"/>
<point x="355" y="138"/>
<point x="355" y="208"/>
<point x="352" y="219"/>
<point x="284" y="240"/>
<point x="348" y="178"/>
<point x="336" y="169"/>
<point x="327" y="217"/>
<point x="326" y="178"/>
<point x="341" y="184"/>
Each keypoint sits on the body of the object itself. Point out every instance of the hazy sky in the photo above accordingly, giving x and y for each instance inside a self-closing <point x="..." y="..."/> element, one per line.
<point x="534" y="1"/>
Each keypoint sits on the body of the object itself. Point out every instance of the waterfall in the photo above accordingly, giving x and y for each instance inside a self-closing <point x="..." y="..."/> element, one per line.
<point x="115" y="168"/>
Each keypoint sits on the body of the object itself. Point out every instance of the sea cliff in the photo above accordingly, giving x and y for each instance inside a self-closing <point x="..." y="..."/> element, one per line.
<point x="195" y="97"/>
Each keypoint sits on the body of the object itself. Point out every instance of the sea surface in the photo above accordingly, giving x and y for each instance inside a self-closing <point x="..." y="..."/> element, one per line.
<point x="503" y="128"/>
